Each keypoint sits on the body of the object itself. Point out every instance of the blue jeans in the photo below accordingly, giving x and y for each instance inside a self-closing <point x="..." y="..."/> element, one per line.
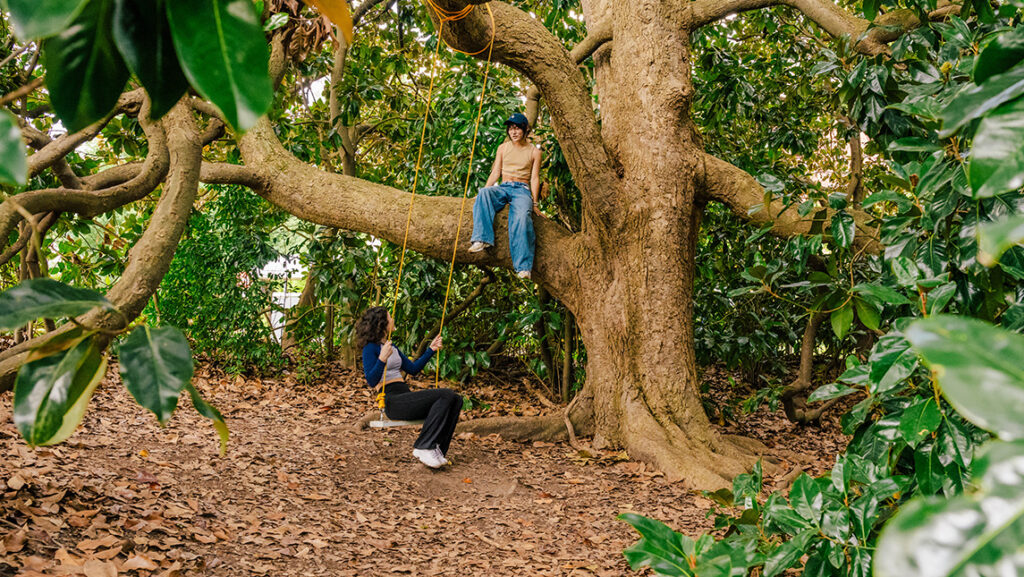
<point x="520" y="226"/>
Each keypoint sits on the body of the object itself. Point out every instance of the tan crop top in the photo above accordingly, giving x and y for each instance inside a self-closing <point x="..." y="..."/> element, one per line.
<point x="516" y="162"/>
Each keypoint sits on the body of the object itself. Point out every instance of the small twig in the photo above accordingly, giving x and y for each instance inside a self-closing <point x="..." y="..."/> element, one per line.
<point x="20" y="92"/>
<point x="13" y="55"/>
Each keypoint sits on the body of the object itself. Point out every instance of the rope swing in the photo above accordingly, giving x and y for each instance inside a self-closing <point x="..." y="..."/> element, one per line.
<point x="443" y="17"/>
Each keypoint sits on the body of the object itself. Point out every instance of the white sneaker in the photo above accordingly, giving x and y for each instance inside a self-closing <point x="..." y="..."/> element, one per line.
<point x="429" y="458"/>
<point x="524" y="274"/>
<point x="478" y="246"/>
<point x="441" y="457"/>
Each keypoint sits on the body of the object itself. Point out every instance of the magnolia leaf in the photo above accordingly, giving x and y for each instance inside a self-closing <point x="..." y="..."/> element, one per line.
<point x="156" y="364"/>
<point x="34" y="19"/>
<point x="996" y="163"/>
<point x="45" y="298"/>
<point x="52" y="393"/>
<point x="995" y="238"/>
<point x="978" y="367"/>
<point x="222" y="52"/>
<point x="977" y="101"/>
<point x="13" y="160"/>
<point x="974" y="534"/>
<point x="144" y="38"/>
<point x="85" y="73"/>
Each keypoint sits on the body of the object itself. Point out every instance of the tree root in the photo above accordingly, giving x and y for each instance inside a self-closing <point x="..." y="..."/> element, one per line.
<point x="550" y="428"/>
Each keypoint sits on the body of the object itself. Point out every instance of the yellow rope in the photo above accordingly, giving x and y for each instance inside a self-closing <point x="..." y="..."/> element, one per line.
<point x="443" y="16"/>
<point x="465" y="191"/>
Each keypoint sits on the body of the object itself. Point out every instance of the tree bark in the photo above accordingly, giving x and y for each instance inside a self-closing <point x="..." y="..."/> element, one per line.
<point x="568" y="349"/>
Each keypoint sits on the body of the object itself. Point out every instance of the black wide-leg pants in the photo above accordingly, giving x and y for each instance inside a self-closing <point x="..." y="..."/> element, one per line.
<point x="438" y="408"/>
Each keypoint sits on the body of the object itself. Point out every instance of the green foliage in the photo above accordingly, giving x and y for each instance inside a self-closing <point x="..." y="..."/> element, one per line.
<point x="34" y="19"/>
<point x="143" y="36"/>
<point x="91" y="45"/>
<point x="52" y="392"/>
<point x="85" y="72"/>
<point x="156" y="364"/>
<point x="54" y="385"/>
<point x="223" y="53"/>
<point x="45" y="298"/>
<point x="670" y="553"/>
<point x="213" y="290"/>
<point x="13" y="161"/>
<point x="979" y="370"/>
<point x="978" y="533"/>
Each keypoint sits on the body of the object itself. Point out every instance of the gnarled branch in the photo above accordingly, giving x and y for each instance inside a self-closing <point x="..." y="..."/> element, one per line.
<point x="59" y="148"/>
<point x="150" y="258"/>
<point x="870" y="37"/>
<point x="597" y="38"/>
<point x="735" y="188"/>
<point x="88" y="202"/>
<point x="350" y="203"/>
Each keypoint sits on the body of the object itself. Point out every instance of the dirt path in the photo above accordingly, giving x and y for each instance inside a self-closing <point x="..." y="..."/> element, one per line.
<point x="302" y="493"/>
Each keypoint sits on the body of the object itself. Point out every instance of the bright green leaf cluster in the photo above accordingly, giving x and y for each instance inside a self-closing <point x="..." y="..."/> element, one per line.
<point x="93" y="46"/>
<point x="978" y="533"/>
<point x="54" y="386"/>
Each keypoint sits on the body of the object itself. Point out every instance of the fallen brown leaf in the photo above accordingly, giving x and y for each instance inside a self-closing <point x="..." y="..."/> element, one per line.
<point x="97" y="568"/>
<point x="139" y="562"/>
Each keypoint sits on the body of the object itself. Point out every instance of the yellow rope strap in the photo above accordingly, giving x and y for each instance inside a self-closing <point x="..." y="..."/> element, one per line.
<point x="443" y="16"/>
<point x="465" y="190"/>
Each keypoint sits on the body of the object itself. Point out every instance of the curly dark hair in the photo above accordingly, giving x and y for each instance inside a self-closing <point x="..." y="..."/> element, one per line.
<point x="372" y="326"/>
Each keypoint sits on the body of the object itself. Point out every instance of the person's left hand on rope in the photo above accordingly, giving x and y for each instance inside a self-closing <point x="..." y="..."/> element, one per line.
<point x="435" y="345"/>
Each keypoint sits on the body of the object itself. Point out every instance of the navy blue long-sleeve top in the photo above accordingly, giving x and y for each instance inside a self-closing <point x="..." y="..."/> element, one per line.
<point x="374" y="368"/>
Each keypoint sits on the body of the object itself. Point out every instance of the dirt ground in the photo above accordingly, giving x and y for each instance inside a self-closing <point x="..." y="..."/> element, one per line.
<point x="300" y="492"/>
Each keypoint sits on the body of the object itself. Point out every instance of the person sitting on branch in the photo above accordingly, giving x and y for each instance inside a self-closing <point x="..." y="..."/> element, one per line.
<point x="517" y="163"/>
<point x="438" y="408"/>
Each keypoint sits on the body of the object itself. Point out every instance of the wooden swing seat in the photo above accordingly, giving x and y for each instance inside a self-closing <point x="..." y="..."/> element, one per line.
<point x="387" y="423"/>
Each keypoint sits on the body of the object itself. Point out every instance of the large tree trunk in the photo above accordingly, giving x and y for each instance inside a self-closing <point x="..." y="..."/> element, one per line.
<point x="628" y="275"/>
<point x="641" y="368"/>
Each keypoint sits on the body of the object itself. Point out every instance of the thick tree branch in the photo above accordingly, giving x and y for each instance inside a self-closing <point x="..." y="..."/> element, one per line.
<point x="523" y="44"/>
<point x="870" y="37"/>
<point x="150" y="258"/>
<point x="112" y="176"/>
<point x="597" y="38"/>
<point x="350" y="203"/>
<point x="59" y="148"/>
<point x="90" y="203"/>
<point x="741" y="192"/>
<point x="224" y="173"/>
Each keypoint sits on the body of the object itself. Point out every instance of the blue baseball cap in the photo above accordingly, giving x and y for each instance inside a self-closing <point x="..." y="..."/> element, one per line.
<point x="519" y="120"/>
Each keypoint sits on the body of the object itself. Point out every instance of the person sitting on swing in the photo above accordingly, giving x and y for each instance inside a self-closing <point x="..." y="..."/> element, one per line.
<point x="438" y="408"/>
<point x="517" y="162"/>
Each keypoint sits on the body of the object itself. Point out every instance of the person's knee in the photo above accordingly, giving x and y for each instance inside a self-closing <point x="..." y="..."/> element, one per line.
<point x="452" y="397"/>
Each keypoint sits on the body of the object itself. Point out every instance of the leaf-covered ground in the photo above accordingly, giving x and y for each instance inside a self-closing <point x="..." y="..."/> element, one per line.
<point x="301" y="492"/>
